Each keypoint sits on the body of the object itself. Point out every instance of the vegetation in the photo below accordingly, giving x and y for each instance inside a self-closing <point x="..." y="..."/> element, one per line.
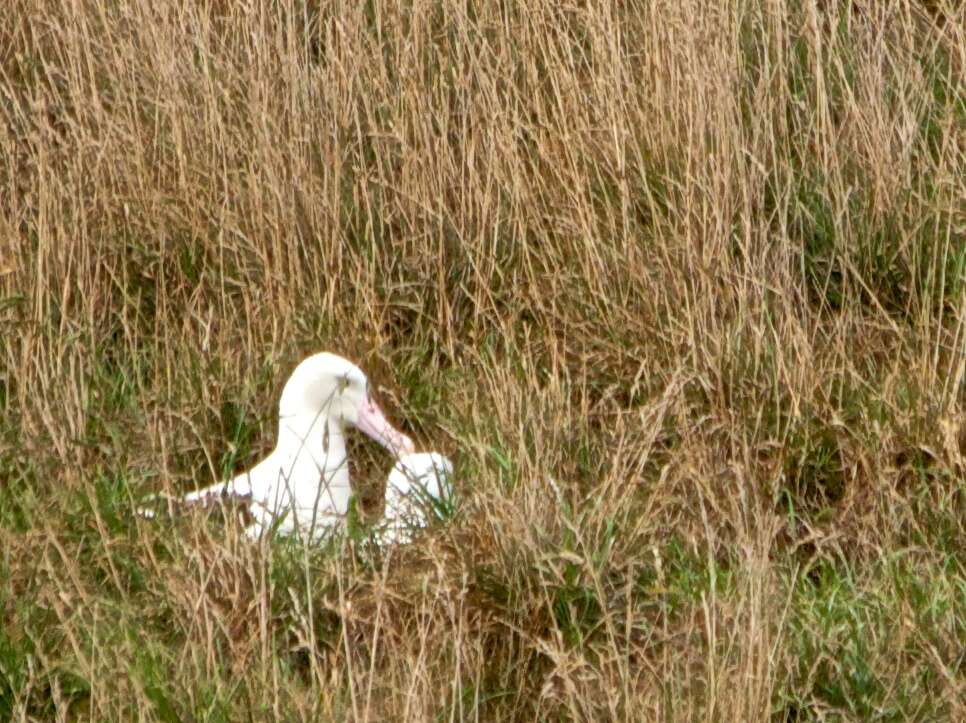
<point x="679" y="286"/>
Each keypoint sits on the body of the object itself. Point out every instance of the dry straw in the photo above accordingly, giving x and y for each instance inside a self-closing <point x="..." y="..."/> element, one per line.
<point x="699" y="264"/>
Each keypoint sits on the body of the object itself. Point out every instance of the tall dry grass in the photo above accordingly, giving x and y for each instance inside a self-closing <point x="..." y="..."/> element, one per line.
<point x="699" y="264"/>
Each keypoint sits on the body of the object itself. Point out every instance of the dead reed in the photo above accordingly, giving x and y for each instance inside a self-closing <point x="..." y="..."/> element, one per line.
<point x="700" y="265"/>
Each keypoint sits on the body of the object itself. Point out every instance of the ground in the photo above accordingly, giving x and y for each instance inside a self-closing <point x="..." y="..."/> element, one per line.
<point x="679" y="287"/>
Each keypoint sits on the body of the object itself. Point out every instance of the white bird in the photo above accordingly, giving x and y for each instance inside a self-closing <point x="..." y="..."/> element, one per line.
<point x="303" y="487"/>
<point x="419" y="488"/>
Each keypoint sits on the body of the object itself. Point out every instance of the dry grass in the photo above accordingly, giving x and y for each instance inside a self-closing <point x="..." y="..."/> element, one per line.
<point x="702" y="263"/>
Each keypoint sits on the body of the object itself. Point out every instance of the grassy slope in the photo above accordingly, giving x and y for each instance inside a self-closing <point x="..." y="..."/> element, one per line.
<point x="700" y="262"/>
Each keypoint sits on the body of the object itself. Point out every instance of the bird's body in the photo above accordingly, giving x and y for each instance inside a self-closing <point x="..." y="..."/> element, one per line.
<point x="419" y="488"/>
<point x="303" y="486"/>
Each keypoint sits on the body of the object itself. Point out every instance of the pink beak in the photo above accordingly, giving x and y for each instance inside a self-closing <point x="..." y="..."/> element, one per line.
<point x="374" y="424"/>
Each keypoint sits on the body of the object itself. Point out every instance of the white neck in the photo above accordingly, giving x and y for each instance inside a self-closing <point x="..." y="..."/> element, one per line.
<point x="312" y="440"/>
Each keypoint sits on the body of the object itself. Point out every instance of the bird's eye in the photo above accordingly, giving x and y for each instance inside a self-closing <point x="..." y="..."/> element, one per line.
<point x="343" y="384"/>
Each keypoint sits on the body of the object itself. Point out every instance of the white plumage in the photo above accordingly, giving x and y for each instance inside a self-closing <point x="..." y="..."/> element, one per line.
<point x="303" y="486"/>
<point x="419" y="488"/>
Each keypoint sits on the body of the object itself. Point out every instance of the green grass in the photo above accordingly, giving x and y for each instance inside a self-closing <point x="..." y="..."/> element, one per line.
<point x="679" y="288"/>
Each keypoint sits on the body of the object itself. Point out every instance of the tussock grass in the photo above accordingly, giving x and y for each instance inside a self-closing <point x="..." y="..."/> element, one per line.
<point x="678" y="285"/>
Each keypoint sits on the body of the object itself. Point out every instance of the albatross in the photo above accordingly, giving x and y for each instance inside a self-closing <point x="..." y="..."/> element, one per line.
<point x="302" y="487"/>
<point x="419" y="488"/>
